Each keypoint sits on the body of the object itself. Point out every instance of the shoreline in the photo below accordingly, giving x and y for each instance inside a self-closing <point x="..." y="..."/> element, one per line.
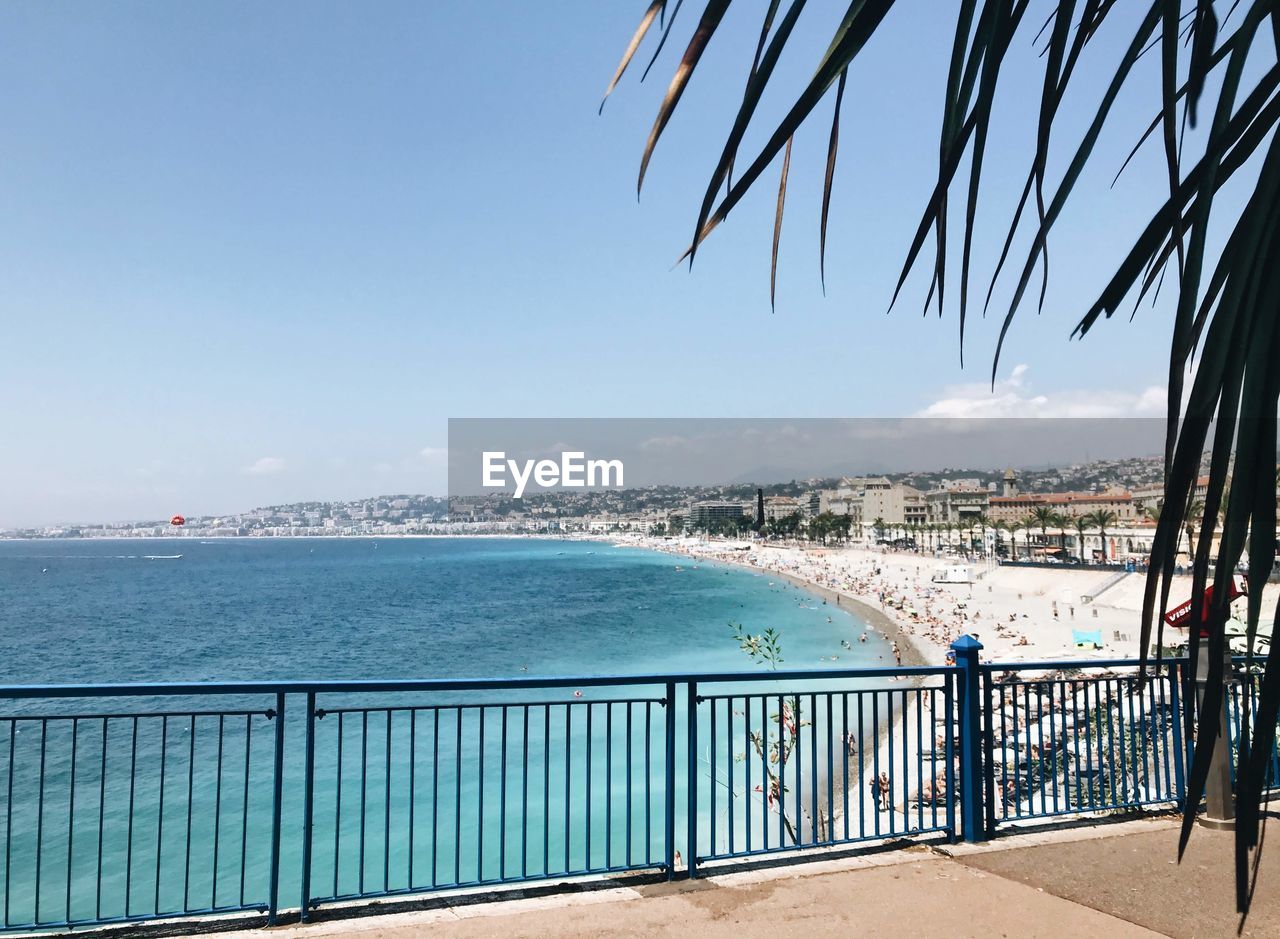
<point x="876" y="618"/>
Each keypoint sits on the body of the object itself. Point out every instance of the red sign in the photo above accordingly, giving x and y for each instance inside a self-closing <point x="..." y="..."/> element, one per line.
<point x="1180" y="615"/>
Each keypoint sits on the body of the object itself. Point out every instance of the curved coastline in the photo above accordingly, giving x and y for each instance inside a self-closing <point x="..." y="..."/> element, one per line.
<point x="876" y="617"/>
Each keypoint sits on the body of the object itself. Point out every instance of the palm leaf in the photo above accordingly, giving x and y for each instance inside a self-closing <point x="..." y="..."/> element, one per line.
<point x="1226" y="319"/>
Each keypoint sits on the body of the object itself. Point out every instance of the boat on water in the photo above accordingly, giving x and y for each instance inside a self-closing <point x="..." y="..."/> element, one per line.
<point x="162" y="557"/>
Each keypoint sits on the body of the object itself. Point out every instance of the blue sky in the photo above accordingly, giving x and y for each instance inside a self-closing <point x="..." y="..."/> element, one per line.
<point x="262" y="252"/>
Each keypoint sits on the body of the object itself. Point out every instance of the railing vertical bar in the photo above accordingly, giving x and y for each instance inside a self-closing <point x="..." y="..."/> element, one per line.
<point x="783" y="754"/>
<point x="102" y="812"/>
<point x="1146" y="741"/>
<point x="411" y="882"/>
<point x="1075" y="745"/>
<point x="164" y="752"/>
<point x="875" y="760"/>
<point x="435" y="796"/>
<point x="669" y="778"/>
<point x="386" y="809"/>
<point x="766" y="784"/>
<point x="8" y="825"/>
<point x="1088" y="746"/>
<point x="244" y="816"/>
<point x="728" y="761"/>
<point x="906" y="761"/>
<point x="813" y="765"/>
<point x="502" y="805"/>
<point x="862" y="767"/>
<point x="797" y="749"/>
<point x="1111" y="740"/>
<point x="524" y="790"/>
<point x="1004" y="764"/>
<point x="608" y="784"/>
<point x="546" y="790"/>
<point x="948" y="753"/>
<point x="71" y="811"/>
<point x="746" y="772"/>
<point x="337" y="805"/>
<point x="1175" y="719"/>
<point x="568" y="776"/>
<point x="308" y="809"/>
<point x="889" y="756"/>
<point x="845" y="753"/>
<point x="1019" y="720"/>
<point x="480" y="799"/>
<point x="712" y="761"/>
<point x="277" y="805"/>
<point x="692" y="704"/>
<point x="217" y="812"/>
<point x="364" y="795"/>
<point x="1032" y="783"/>
<point x="648" y="783"/>
<point x="44" y="733"/>
<point x="191" y="783"/>
<point x="128" y="863"/>
<point x="457" y="798"/>
<point x="628" y="787"/>
<point x="829" y="833"/>
<point x="986" y="736"/>
<point x="586" y="822"/>
<point x="1055" y="741"/>
<point x="1128" y="746"/>
<point x="919" y="699"/>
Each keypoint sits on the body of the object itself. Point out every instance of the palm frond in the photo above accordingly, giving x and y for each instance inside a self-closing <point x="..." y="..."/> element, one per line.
<point x="1226" y="320"/>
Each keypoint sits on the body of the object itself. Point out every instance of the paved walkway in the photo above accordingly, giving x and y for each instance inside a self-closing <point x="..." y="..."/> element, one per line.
<point x="1115" y="880"/>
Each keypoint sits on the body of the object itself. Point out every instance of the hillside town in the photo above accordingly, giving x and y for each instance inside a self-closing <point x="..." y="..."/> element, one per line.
<point x="1096" y="512"/>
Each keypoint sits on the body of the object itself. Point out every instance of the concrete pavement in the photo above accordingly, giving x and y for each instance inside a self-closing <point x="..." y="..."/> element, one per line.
<point x="1109" y="880"/>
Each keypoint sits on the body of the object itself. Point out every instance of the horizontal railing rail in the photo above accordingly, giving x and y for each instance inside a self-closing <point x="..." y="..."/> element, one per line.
<point x="144" y="801"/>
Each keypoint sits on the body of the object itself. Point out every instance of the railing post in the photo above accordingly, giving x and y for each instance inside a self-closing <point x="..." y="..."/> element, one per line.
<point x="276" y="790"/>
<point x="692" y="760"/>
<point x="670" y="772"/>
<point x="969" y="693"/>
<point x="308" y="807"/>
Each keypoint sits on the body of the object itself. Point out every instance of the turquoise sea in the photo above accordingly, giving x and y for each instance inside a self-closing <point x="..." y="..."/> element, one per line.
<point x="171" y="811"/>
<point x="272" y="609"/>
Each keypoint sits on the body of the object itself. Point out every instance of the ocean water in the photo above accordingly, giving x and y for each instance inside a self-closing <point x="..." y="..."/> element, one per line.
<point x="277" y="609"/>
<point x="165" y="806"/>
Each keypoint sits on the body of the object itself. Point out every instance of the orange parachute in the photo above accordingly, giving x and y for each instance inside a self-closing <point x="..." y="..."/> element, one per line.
<point x="177" y="520"/>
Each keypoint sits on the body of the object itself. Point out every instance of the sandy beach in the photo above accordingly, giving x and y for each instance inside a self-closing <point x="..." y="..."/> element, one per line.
<point x="1019" y="614"/>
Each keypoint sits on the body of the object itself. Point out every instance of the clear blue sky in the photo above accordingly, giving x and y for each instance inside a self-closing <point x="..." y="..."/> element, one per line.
<point x="261" y="252"/>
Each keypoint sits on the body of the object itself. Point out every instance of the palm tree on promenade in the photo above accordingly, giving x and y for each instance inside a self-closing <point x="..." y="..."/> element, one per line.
<point x="1102" y="519"/>
<point x="1043" y="516"/>
<point x="1015" y="526"/>
<point x="1082" y="523"/>
<point x="1194" y="516"/>
<point x="983" y="524"/>
<point x="1061" y="521"/>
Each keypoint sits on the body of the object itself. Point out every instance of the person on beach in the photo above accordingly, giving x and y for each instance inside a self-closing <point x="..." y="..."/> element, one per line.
<point x="874" y="785"/>
<point x="884" y="792"/>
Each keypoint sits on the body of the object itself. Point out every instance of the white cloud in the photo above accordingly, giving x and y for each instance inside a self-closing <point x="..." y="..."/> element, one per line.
<point x="1014" y="397"/>
<point x="434" y="454"/>
<point x="265" y="466"/>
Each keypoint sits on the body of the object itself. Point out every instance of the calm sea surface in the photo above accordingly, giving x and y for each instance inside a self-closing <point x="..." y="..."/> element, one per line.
<point x="145" y="806"/>
<point x="103" y="611"/>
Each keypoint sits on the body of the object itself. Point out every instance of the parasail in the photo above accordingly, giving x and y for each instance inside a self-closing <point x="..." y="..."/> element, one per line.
<point x="177" y="520"/>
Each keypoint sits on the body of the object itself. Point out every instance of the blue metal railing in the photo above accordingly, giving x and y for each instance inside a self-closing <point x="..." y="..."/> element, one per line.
<point x="126" y="803"/>
<point x="1086" y="743"/>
